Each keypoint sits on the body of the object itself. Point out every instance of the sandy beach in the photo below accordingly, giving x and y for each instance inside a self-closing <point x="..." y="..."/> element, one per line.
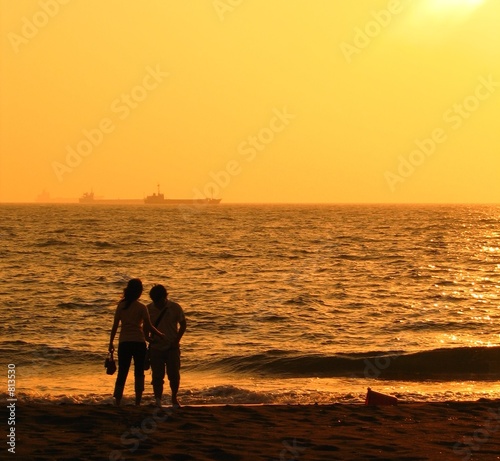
<point x="411" y="431"/>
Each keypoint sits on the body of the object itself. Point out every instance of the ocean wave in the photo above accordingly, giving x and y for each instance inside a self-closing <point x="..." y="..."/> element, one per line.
<point x="232" y="394"/>
<point x="206" y="396"/>
<point x="97" y="303"/>
<point x="274" y="318"/>
<point x="104" y="244"/>
<point x="227" y="394"/>
<point x="430" y="325"/>
<point x="59" y="231"/>
<point x="24" y="354"/>
<point x="52" y="242"/>
<point x="449" y="297"/>
<point x="440" y="364"/>
<point x="377" y="301"/>
<point x="70" y="305"/>
<point x="303" y="300"/>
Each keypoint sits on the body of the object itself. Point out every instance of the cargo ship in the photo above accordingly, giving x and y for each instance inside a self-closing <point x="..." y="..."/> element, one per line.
<point x="159" y="199"/>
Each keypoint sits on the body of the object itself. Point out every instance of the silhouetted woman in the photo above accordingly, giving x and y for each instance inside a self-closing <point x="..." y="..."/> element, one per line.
<point x="133" y="315"/>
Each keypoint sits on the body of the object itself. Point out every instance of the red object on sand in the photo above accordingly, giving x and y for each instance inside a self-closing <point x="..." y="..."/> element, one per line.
<point x="376" y="398"/>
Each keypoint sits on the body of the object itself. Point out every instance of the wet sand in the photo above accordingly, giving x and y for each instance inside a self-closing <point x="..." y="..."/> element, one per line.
<point x="411" y="431"/>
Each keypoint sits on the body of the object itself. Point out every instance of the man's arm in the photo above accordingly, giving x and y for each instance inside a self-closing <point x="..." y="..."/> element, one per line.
<point x="148" y="333"/>
<point x="182" y="329"/>
<point x="148" y="326"/>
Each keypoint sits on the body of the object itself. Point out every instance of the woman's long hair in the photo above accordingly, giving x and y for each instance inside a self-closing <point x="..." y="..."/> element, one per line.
<point x="132" y="292"/>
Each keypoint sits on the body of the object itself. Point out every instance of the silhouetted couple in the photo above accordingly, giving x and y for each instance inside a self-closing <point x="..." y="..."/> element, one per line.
<point x="162" y="323"/>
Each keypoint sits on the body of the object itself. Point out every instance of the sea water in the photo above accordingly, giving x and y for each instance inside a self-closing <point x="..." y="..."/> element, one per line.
<point x="284" y="303"/>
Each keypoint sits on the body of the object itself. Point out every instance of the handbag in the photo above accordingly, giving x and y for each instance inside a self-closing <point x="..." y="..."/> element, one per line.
<point x="110" y="364"/>
<point x="147" y="358"/>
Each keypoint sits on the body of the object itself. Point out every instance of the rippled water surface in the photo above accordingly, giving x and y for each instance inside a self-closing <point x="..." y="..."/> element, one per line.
<point x="284" y="303"/>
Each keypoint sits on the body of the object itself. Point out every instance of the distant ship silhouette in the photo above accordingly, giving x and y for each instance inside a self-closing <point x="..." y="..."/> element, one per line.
<point x="90" y="198"/>
<point x="159" y="199"/>
<point x="155" y="199"/>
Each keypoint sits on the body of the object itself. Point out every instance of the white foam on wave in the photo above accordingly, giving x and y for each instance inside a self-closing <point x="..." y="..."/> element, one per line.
<point x="229" y="394"/>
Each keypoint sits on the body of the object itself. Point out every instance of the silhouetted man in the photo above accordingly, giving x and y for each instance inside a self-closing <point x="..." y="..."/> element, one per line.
<point x="168" y="317"/>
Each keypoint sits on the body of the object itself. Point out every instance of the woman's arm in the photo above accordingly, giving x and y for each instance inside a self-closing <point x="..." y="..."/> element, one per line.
<point x="114" y="329"/>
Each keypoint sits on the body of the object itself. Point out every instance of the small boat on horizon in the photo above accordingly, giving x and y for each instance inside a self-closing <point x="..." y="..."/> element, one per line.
<point x="45" y="197"/>
<point x="87" y="197"/>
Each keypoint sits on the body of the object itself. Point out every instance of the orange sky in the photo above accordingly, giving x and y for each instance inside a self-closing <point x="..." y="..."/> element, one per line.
<point x="257" y="100"/>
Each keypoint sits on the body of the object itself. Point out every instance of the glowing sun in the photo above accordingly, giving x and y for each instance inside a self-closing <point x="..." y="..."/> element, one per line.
<point x="431" y="20"/>
<point x="451" y="7"/>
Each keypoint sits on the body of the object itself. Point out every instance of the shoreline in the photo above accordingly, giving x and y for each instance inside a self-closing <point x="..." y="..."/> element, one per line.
<point x="408" y="431"/>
